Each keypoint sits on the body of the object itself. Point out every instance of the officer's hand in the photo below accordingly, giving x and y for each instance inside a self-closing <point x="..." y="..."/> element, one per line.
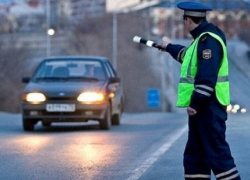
<point x="162" y="46"/>
<point x="191" y="111"/>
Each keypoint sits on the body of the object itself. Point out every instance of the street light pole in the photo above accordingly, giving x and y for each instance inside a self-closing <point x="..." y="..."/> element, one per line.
<point x="48" y="43"/>
<point x="115" y="40"/>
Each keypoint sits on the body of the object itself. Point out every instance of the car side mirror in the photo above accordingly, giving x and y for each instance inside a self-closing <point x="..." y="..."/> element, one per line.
<point x="25" y="79"/>
<point x="114" y="83"/>
<point x="114" y="80"/>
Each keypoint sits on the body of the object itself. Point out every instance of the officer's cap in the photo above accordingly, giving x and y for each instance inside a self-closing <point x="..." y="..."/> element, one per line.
<point x="194" y="9"/>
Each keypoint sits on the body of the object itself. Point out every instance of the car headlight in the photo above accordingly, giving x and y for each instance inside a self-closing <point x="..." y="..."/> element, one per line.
<point x="91" y="97"/>
<point x="35" y="97"/>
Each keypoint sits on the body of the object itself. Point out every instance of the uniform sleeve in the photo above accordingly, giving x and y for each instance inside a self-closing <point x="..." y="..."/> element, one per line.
<point x="210" y="54"/>
<point x="176" y="51"/>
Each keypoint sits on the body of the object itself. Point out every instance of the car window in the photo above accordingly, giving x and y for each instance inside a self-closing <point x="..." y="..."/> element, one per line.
<point x="107" y="70"/>
<point x="111" y="68"/>
<point x="111" y="73"/>
<point x="71" y="69"/>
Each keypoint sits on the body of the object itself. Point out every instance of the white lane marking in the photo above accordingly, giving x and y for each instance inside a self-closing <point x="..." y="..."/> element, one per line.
<point x="138" y="172"/>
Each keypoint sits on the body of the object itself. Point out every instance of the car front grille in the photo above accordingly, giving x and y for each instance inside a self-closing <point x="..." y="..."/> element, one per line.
<point x="61" y="98"/>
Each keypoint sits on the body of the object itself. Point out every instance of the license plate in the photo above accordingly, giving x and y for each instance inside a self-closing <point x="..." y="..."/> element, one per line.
<point x="60" y="107"/>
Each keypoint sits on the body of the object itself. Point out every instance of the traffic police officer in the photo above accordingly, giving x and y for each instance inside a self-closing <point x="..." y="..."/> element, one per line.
<point x="204" y="90"/>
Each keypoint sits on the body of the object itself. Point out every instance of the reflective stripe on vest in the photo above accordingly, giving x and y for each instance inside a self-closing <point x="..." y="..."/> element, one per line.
<point x="189" y="70"/>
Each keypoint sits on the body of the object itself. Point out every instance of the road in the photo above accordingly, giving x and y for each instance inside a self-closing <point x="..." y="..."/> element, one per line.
<point x="83" y="151"/>
<point x="146" y="146"/>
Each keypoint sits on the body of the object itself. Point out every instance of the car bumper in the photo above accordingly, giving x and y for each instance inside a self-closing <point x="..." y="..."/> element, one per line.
<point x="82" y="113"/>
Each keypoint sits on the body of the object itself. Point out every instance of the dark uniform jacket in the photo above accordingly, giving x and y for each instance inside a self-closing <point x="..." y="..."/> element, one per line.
<point x="208" y="68"/>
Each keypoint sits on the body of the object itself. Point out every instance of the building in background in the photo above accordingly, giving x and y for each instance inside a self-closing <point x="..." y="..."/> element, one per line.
<point x="20" y="7"/>
<point x="87" y="8"/>
<point x="21" y="15"/>
<point x="232" y="16"/>
<point x="25" y="16"/>
<point x="64" y="8"/>
<point x="30" y="15"/>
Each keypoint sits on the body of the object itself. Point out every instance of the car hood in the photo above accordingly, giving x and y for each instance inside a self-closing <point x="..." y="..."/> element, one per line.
<point x="67" y="89"/>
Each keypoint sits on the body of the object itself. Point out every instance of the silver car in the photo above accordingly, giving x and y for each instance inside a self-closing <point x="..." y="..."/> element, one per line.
<point x="73" y="89"/>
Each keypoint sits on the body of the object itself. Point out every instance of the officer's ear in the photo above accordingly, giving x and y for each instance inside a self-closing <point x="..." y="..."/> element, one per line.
<point x="189" y="20"/>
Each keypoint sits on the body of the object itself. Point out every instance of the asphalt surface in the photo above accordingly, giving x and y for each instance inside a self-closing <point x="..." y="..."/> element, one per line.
<point x="146" y="146"/>
<point x="168" y="167"/>
<point x="83" y="151"/>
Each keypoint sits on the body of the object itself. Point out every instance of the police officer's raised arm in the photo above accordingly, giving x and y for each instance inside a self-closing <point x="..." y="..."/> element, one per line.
<point x="175" y="50"/>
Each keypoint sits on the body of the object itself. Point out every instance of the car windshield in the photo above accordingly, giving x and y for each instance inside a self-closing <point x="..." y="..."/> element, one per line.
<point x="70" y="70"/>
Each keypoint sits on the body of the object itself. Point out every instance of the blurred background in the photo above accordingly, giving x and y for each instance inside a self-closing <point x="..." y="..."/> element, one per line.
<point x="31" y="30"/>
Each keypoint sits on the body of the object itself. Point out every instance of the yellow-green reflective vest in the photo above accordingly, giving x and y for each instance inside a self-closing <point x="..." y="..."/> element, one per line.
<point x="189" y="70"/>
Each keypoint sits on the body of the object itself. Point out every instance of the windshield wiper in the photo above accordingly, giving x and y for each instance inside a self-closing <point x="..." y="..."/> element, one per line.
<point x="84" y="78"/>
<point x="51" y="78"/>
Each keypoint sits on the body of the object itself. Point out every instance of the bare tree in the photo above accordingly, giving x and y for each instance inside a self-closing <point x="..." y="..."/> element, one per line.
<point x="12" y="67"/>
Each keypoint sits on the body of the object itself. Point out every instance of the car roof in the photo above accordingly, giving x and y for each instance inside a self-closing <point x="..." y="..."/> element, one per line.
<point x="100" y="58"/>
